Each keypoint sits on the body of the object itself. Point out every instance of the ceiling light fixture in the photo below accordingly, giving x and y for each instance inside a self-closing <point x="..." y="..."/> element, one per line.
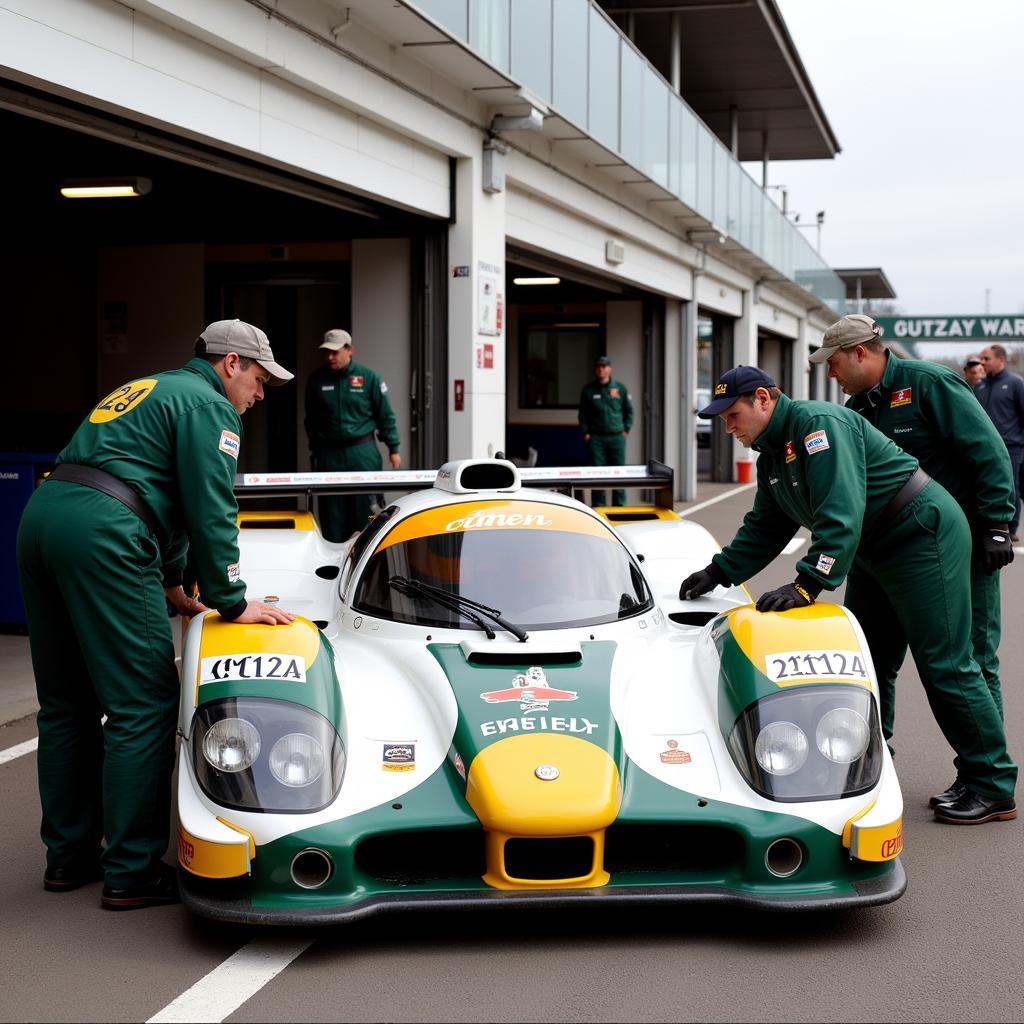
<point x="536" y="280"/>
<point x="105" y="188"/>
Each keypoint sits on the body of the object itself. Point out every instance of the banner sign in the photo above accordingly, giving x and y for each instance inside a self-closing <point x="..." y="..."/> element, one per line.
<point x="980" y="327"/>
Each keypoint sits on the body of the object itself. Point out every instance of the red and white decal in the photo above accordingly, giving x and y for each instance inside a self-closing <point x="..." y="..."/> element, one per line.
<point x="531" y="691"/>
<point x="901" y="397"/>
<point x="674" y="755"/>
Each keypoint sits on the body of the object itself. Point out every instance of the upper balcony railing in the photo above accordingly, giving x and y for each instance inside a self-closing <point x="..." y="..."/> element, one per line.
<point x="572" y="56"/>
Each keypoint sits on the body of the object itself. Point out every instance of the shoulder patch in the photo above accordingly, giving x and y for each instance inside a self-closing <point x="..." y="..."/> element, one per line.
<point x="383" y="387"/>
<point x="825" y="563"/>
<point x="230" y="443"/>
<point x="901" y="397"/>
<point x="816" y="442"/>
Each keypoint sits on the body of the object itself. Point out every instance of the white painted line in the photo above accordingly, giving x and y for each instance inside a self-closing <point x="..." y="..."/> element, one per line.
<point x="794" y="545"/>
<point x="16" y="751"/>
<point x="716" y="499"/>
<point x="216" y="996"/>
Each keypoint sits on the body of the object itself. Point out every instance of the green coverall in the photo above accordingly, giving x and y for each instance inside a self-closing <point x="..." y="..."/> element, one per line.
<point x="606" y="414"/>
<point x="92" y="576"/>
<point x="827" y="469"/>
<point x="343" y="409"/>
<point x="931" y="412"/>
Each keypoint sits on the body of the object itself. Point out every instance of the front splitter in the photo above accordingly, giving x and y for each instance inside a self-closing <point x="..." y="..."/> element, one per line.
<point x="871" y="892"/>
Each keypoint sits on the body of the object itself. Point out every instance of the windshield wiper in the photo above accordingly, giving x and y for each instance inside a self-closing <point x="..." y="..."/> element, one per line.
<point x="472" y="610"/>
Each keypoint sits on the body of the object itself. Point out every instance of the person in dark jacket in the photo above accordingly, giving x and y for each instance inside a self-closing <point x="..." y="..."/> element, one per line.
<point x="1001" y="394"/>
<point x="347" y="409"/>
<point x="146" y="479"/>
<point x="866" y="501"/>
<point x="931" y="413"/>
<point x="606" y="418"/>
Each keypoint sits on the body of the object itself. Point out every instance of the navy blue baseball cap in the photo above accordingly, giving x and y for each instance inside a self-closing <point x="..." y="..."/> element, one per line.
<point x="740" y="380"/>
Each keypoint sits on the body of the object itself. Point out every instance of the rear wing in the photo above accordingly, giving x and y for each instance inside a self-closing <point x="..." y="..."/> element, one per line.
<point x="654" y="476"/>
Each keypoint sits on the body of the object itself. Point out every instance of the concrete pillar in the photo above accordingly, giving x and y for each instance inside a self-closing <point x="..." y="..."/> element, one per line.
<point x="675" y="404"/>
<point x="801" y="367"/>
<point x="686" y="480"/>
<point x="476" y="252"/>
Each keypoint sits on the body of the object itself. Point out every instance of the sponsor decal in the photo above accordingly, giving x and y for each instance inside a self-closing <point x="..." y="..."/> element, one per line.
<point x="230" y="443"/>
<point x="355" y="382"/>
<point x="326" y="387"/>
<point x="790" y="452"/>
<point x="383" y="387"/>
<point x="186" y="850"/>
<point x="124" y="399"/>
<point x="816" y="442"/>
<point x="490" y="520"/>
<point x="540" y="724"/>
<point x="720" y="389"/>
<point x="892" y="847"/>
<point x="532" y="691"/>
<point x="10" y="476"/>
<point x="901" y="397"/>
<point x="674" y="755"/>
<point x="398" y="757"/>
<point x="775" y="479"/>
<point x="597" y="397"/>
<point x="233" y="572"/>
<point x="460" y="765"/>
<point x="825" y="563"/>
<point x="613" y="392"/>
<point x="233" y="668"/>
<point x="789" y="666"/>
<point x="902" y="430"/>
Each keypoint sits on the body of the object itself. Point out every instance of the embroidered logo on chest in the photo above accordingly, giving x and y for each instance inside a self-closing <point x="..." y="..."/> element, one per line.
<point x="355" y="382"/>
<point x="790" y="452"/>
<point x="901" y="397"/>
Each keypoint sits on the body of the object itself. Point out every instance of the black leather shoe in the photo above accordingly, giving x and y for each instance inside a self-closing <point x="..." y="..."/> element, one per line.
<point x="948" y="796"/>
<point x="972" y="809"/>
<point x="69" y="878"/>
<point x="159" y="890"/>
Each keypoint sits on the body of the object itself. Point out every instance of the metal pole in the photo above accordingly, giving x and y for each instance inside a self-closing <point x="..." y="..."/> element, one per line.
<point x="734" y="132"/>
<point x="676" y="59"/>
<point x="764" y="160"/>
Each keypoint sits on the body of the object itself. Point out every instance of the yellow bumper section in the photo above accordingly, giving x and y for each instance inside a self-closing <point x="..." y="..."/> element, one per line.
<point x="513" y="800"/>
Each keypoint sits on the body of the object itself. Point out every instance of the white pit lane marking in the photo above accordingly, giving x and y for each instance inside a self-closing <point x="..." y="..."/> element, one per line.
<point x="11" y="753"/>
<point x="713" y="501"/>
<point x="238" y="979"/>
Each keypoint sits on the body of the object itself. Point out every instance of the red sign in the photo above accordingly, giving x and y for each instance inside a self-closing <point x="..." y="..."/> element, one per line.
<point x="460" y="395"/>
<point x="488" y="357"/>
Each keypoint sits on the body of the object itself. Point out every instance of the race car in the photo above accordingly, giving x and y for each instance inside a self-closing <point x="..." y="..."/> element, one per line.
<point x="493" y="696"/>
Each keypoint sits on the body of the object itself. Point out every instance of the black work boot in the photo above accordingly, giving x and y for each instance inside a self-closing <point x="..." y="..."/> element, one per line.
<point x="160" y="889"/>
<point x="973" y="809"/>
<point x="947" y="796"/>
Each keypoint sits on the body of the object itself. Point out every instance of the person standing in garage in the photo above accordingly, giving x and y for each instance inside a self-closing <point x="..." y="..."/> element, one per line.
<point x="148" y="476"/>
<point x="606" y="418"/>
<point x="931" y="412"/>
<point x="867" y="503"/>
<point x="347" y="409"/>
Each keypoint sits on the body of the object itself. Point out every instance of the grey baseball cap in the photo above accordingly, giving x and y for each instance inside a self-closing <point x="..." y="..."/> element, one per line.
<point x="852" y="329"/>
<point x="337" y="339"/>
<point x="224" y="336"/>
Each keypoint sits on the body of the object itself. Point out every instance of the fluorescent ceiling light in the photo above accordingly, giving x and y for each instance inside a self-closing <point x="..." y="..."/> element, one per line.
<point x="536" y="280"/>
<point x="106" y="188"/>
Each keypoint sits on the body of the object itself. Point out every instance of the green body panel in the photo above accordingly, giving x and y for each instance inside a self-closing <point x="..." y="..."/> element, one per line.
<point x="319" y="692"/>
<point x="482" y="723"/>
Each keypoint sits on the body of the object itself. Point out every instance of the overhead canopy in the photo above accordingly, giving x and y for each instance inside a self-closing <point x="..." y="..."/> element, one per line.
<point x="736" y="53"/>
<point x="866" y="283"/>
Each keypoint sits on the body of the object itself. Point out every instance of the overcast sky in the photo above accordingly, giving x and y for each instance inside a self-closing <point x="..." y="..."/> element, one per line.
<point x="926" y="98"/>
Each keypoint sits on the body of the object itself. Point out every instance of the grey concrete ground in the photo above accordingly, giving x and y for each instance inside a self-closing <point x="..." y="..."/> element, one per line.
<point x="949" y="950"/>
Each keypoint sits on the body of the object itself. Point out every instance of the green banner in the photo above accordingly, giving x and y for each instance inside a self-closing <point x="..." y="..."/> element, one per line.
<point x="980" y="327"/>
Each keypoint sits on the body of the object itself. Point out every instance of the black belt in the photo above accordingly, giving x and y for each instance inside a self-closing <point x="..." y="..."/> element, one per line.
<point x="903" y="497"/>
<point x="354" y="443"/>
<point x="101" y="480"/>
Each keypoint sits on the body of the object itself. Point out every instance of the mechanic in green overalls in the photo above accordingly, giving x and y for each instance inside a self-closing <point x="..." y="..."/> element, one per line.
<point x="606" y="418"/>
<point x="345" y="405"/>
<point x="931" y="412"/>
<point x="867" y="504"/>
<point x="148" y="476"/>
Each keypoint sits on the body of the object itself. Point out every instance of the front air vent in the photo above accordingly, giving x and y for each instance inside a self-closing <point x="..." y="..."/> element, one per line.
<point x="672" y="849"/>
<point x="415" y="858"/>
<point x="328" y="572"/>
<point x="514" y="660"/>
<point x="543" y="860"/>
<point x="488" y="476"/>
<point x="693" y="618"/>
<point x="284" y="523"/>
<point x="630" y="517"/>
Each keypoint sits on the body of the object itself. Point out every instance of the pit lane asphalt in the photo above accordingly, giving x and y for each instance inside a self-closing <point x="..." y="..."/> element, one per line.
<point x="948" y="950"/>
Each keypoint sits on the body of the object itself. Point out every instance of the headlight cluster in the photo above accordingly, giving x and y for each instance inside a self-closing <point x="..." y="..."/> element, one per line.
<point x="266" y="755"/>
<point x="811" y="743"/>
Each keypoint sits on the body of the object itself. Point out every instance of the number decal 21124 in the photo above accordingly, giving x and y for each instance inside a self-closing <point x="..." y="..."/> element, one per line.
<point x="802" y="666"/>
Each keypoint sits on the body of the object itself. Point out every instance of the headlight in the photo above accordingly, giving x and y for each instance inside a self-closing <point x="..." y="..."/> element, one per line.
<point x="770" y="743"/>
<point x="781" y="748"/>
<point x="231" y="745"/>
<point x="297" y="760"/>
<point x="842" y="735"/>
<point x="259" y="754"/>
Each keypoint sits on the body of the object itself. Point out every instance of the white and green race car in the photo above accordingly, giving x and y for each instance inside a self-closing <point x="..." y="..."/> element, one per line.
<point x="494" y="696"/>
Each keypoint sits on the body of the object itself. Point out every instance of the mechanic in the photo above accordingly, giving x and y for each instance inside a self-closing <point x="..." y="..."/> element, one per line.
<point x="974" y="370"/>
<point x="931" y="413"/>
<point x="345" y="404"/>
<point x="1001" y="394"/>
<point x="606" y="418"/>
<point x="101" y="546"/>
<point x="867" y="502"/>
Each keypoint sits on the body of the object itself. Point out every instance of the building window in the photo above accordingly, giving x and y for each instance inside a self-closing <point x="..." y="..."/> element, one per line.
<point x="557" y="357"/>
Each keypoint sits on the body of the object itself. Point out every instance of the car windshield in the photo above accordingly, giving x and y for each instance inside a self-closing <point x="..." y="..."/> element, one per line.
<point x="542" y="566"/>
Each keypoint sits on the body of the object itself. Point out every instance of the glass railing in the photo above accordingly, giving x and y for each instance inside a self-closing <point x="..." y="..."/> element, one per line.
<point x="574" y="58"/>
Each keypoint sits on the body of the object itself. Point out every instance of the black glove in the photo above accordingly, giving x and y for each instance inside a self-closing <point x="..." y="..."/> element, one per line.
<point x="793" y="595"/>
<point x="996" y="548"/>
<point x="698" y="584"/>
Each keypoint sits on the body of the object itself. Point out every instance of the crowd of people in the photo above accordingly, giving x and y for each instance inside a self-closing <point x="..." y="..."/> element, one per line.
<point x="910" y="493"/>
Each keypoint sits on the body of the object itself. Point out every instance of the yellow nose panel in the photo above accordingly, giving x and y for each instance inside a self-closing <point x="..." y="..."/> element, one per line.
<point x="508" y="797"/>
